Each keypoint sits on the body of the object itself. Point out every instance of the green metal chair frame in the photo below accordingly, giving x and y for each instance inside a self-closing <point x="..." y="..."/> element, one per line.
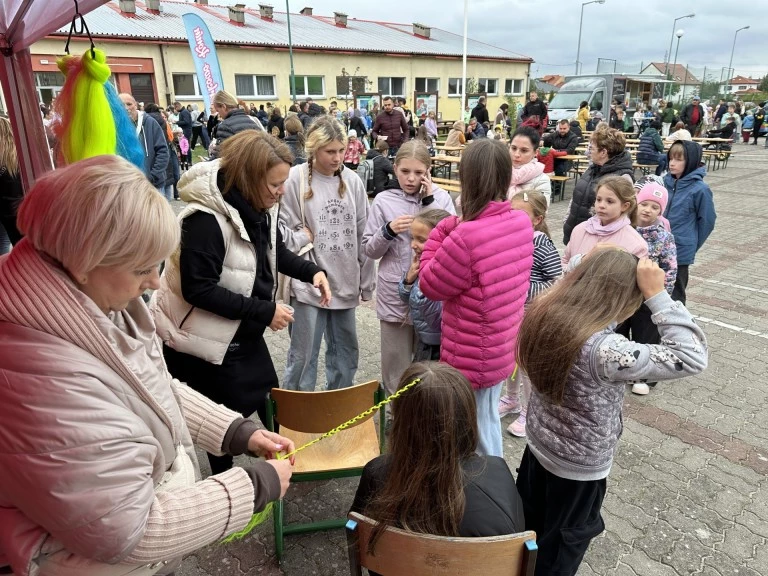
<point x="282" y="529"/>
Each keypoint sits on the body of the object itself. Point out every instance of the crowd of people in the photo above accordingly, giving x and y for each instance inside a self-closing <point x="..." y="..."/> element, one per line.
<point x="278" y="232"/>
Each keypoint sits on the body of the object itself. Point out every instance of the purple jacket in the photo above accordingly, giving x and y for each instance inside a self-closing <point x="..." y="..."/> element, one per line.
<point x="395" y="251"/>
<point x="481" y="270"/>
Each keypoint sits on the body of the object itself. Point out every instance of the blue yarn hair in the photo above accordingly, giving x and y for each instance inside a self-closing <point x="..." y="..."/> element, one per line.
<point x="128" y="145"/>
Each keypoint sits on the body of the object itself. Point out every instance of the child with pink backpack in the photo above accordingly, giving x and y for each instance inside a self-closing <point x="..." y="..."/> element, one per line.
<point x="479" y="266"/>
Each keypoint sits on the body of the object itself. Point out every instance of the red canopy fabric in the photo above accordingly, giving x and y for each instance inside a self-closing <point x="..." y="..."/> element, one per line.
<point x="22" y="23"/>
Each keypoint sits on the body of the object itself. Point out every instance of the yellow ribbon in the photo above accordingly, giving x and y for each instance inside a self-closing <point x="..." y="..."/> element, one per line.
<point x="260" y="517"/>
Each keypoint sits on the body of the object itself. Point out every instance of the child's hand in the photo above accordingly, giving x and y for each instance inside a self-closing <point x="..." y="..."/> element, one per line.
<point x="401" y="224"/>
<point x="426" y="185"/>
<point x="413" y="271"/>
<point x="650" y="278"/>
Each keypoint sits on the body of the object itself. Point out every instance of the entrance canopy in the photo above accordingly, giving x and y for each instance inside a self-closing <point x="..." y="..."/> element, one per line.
<point x="22" y="23"/>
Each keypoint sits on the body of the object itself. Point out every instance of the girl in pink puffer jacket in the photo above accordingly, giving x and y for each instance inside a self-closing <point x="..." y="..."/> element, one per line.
<point x="480" y="267"/>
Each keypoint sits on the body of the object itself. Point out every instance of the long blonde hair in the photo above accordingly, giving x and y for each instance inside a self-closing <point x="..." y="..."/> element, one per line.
<point x="538" y="202"/>
<point x="323" y="131"/>
<point x="599" y="291"/>
<point x="8" y="158"/>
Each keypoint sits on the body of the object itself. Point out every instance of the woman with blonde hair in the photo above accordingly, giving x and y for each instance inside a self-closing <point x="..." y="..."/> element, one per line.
<point x="216" y="296"/>
<point x="234" y="119"/>
<point x="325" y="205"/>
<point x="99" y="433"/>
<point x="11" y="191"/>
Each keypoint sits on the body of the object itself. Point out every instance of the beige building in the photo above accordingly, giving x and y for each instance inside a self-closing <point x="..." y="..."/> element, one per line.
<point x="334" y="57"/>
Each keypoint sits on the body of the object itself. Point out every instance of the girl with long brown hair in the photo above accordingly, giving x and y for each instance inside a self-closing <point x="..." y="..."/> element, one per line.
<point x="11" y="191"/>
<point x="480" y="267"/>
<point x="432" y="480"/>
<point x="325" y="204"/>
<point x="578" y="368"/>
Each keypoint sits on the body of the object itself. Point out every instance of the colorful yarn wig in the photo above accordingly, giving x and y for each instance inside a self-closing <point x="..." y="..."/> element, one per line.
<point x="93" y="119"/>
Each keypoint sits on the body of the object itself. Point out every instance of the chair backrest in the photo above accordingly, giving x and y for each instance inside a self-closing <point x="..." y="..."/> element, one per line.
<point x="319" y="412"/>
<point x="402" y="552"/>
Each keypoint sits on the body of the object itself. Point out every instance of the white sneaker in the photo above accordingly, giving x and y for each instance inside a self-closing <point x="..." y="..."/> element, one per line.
<point x="640" y="388"/>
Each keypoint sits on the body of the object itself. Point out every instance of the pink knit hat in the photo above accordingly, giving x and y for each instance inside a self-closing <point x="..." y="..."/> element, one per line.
<point x="655" y="193"/>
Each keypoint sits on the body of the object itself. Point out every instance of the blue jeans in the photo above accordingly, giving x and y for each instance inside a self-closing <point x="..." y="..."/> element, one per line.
<point x="310" y="324"/>
<point x="488" y="421"/>
<point x="5" y="242"/>
<point x="166" y="191"/>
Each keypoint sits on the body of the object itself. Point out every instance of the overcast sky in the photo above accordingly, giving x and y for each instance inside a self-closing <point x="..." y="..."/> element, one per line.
<point x="547" y="31"/>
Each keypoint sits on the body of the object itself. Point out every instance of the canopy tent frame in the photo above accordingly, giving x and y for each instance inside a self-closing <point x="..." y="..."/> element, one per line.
<point x="22" y="23"/>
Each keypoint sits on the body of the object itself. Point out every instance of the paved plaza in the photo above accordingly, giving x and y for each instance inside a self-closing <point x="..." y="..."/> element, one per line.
<point x="688" y="492"/>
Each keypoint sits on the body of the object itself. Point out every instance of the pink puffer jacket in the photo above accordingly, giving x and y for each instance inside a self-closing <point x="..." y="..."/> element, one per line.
<point x="481" y="270"/>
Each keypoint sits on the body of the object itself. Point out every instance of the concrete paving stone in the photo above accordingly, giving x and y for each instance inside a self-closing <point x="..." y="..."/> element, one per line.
<point x="251" y="552"/>
<point x="643" y="565"/>
<point x="586" y="570"/>
<point x="683" y="522"/>
<point x="605" y="551"/>
<point x="738" y="477"/>
<point x="620" y="527"/>
<point x="760" y="559"/>
<point x="697" y="511"/>
<point x="753" y="523"/>
<point x="688" y="555"/>
<point x="620" y="570"/>
<point x="726" y="566"/>
<point x="740" y="543"/>
<point x="658" y="541"/>
<point x="729" y="503"/>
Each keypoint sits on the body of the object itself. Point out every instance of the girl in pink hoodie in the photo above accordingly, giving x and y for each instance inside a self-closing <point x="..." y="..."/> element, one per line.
<point x="479" y="266"/>
<point x="613" y="222"/>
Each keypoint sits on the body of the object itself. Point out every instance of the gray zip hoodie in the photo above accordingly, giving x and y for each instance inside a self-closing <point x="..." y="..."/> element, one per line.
<point x="337" y="224"/>
<point x="577" y="439"/>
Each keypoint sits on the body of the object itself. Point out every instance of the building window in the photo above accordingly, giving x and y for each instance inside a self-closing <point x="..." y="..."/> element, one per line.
<point x="427" y="84"/>
<point x="249" y="86"/>
<point x="391" y="86"/>
<point x="454" y="86"/>
<point x="488" y="85"/>
<point x="48" y="84"/>
<point x="347" y="85"/>
<point x="513" y="86"/>
<point x="310" y="86"/>
<point x="185" y="85"/>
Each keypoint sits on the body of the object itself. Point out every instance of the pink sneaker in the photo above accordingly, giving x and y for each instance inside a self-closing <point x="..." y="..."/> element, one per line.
<point x="517" y="428"/>
<point x="508" y="405"/>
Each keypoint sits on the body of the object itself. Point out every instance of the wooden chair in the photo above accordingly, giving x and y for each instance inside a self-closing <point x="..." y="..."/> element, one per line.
<point x="304" y="416"/>
<point x="400" y="552"/>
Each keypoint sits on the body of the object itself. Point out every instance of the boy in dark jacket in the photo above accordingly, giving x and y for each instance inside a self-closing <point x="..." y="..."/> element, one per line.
<point x="382" y="167"/>
<point x="651" y="148"/>
<point x="691" y="208"/>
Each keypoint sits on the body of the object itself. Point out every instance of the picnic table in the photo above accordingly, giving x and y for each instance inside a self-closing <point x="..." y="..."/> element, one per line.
<point x="442" y="162"/>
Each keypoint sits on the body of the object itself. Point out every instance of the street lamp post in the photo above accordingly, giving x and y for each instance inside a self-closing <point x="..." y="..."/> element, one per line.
<point x="671" y="39"/>
<point x="581" y="21"/>
<point x="730" y="64"/>
<point x="679" y="35"/>
<point x="290" y="52"/>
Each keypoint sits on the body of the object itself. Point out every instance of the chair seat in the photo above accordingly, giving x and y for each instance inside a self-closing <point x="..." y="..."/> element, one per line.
<point x="350" y="448"/>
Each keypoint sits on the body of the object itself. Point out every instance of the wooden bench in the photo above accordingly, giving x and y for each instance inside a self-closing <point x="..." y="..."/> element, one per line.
<point x="558" y="186"/>
<point x="645" y="168"/>
<point x="715" y="158"/>
<point x="448" y="185"/>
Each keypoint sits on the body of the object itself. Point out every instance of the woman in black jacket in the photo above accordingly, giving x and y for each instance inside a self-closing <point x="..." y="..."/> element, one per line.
<point x="276" y="124"/>
<point x="11" y="191"/>
<point x="432" y="480"/>
<point x="382" y="167"/>
<point x="608" y="157"/>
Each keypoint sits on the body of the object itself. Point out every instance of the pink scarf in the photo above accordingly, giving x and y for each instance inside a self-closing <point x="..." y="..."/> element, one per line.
<point x="523" y="175"/>
<point x="595" y="227"/>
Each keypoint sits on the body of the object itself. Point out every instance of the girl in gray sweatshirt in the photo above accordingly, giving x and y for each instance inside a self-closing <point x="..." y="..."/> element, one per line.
<point x="326" y="205"/>
<point x="574" y="415"/>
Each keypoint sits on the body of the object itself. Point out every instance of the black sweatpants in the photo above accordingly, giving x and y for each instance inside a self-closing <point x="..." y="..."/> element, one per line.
<point x="565" y="514"/>
<point x="756" y="130"/>
<point x="681" y="283"/>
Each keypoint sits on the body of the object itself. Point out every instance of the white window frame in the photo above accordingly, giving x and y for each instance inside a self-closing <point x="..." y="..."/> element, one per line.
<point x="181" y="97"/>
<point x="389" y="93"/>
<point x="305" y="93"/>
<point x="255" y="84"/>
<point x="458" y="87"/>
<point x="512" y="92"/>
<point x="426" y="84"/>
<point x="481" y="81"/>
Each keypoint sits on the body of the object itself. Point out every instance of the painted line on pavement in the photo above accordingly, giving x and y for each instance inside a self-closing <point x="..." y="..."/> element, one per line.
<point x="737" y="286"/>
<point x="732" y="327"/>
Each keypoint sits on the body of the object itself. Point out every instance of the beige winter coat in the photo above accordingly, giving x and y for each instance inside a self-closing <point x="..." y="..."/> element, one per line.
<point x="97" y="438"/>
<point x="182" y="326"/>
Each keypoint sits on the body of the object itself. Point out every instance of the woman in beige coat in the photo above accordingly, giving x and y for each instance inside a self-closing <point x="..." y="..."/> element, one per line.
<point x="100" y="476"/>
